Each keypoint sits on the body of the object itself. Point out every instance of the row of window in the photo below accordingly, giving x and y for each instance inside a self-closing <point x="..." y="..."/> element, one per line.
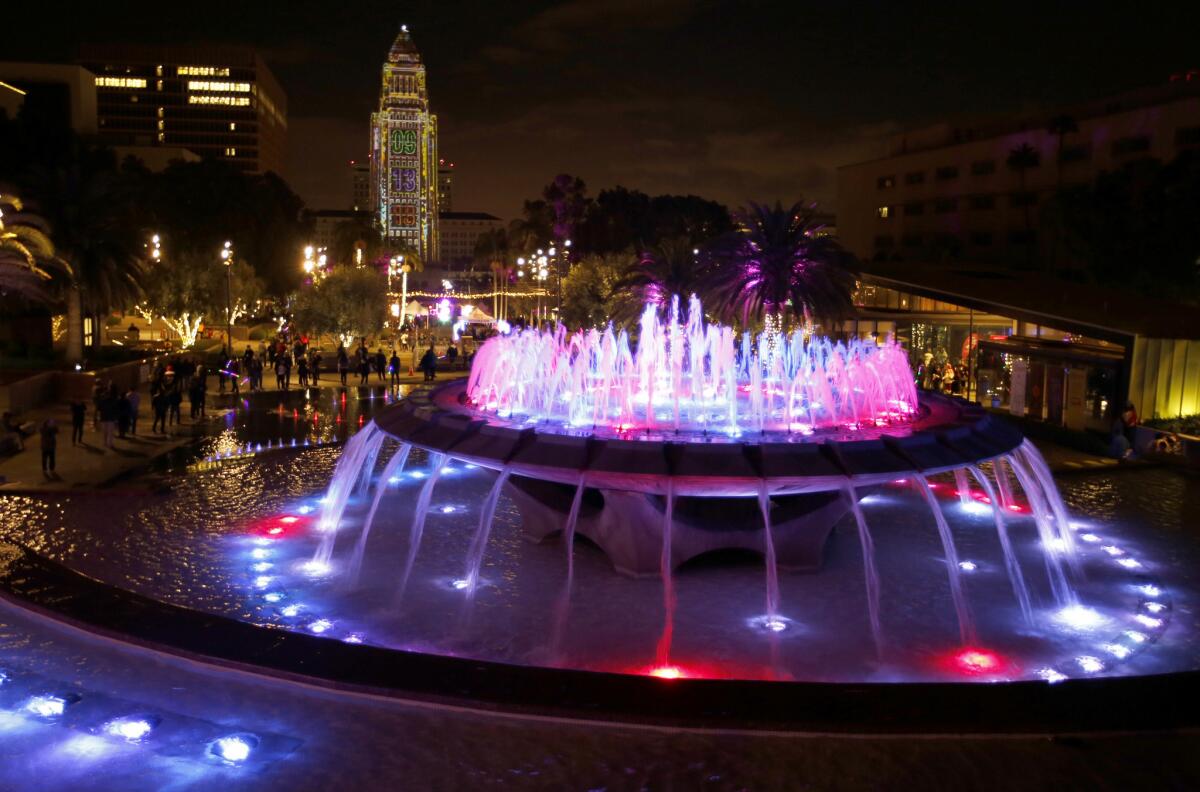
<point x="948" y="205"/>
<point x="976" y="238"/>
<point x="1078" y="152"/>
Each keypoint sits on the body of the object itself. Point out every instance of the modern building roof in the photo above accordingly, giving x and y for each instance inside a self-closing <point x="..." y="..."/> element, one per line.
<point x="403" y="49"/>
<point x="1041" y="299"/>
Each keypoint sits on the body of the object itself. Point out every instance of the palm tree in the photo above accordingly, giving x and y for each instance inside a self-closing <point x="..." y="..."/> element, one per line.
<point x="670" y="268"/>
<point x="89" y="206"/>
<point x="776" y="262"/>
<point x="1061" y="126"/>
<point x="1021" y="159"/>
<point x="30" y="270"/>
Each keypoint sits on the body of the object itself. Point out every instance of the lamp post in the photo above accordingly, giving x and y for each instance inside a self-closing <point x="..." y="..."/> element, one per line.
<point x="227" y="257"/>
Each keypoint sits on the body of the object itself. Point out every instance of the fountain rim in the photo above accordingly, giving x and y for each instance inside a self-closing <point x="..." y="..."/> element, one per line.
<point x="51" y="591"/>
<point x="950" y="434"/>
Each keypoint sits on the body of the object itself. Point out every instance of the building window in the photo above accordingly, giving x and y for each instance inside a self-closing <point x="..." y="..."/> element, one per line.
<point x="1080" y="152"/>
<point x="884" y="241"/>
<point x="1187" y="136"/>
<point x="158" y="71"/>
<point x="158" y="85"/>
<point x="161" y="137"/>
<point x="983" y="202"/>
<point x="885" y="182"/>
<point x="945" y="205"/>
<point x="232" y="126"/>
<point x="1130" y="145"/>
<point x="983" y="167"/>
<point x="230" y="151"/>
<point x="89" y="332"/>
<point x="981" y="239"/>
<point x="120" y="82"/>
<point x="911" y="240"/>
<point x="914" y="208"/>
<point x="160" y="112"/>
<point x="1022" y="199"/>
<point x="160" y="124"/>
<point x="884" y="212"/>
<point x="916" y="177"/>
<point x="947" y="172"/>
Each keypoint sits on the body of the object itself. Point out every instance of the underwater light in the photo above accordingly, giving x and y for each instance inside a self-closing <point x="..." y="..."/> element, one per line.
<point x="447" y="509"/>
<point x="316" y="568"/>
<point x="260" y="553"/>
<point x="262" y="566"/>
<point x="1113" y="550"/>
<point x="1150" y="590"/>
<point x="1051" y="676"/>
<point x="262" y="581"/>
<point x="3" y="677"/>
<point x="1136" y="636"/>
<point x="305" y="509"/>
<point x="417" y="474"/>
<point x="1155" y="607"/>
<point x="290" y="610"/>
<point x="273" y="596"/>
<point x="353" y="638"/>
<point x="1089" y="537"/>
<point x="289" y="519"/>
<point x="131" y="729"/>
<point x="233" y="749"/>
<point x="1090" y="664"/>
<point x="460" y="584"/>
<point x="1147" y="621"/>
<point x="275" y="531"/>
<point x="1117" y="651"/>
<point x="470" y="466"/>
<point x="1079" y="617"/>
<point x="1129" y="563"/>
<point x="46" y="706"/>
<point x="667" y="672"/>
<point x="775" y="625"/>
<point x="968" y="566"/>
<point x="320" y="626"/>
<point x="394" y="480"/>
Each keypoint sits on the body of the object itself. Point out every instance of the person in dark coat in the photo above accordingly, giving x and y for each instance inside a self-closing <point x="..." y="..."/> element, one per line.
<point x="429" y="364"/>
<point x="78" y="411"/>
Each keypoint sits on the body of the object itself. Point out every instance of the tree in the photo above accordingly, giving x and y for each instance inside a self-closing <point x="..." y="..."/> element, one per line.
<point x="567" y="198"/>
<point x="533" y="228"/>
<point x="182" y="290"/>
<point x="590" y="288"/>
<point x="1021" y="159"/>
<point x="1061" y="126"/>
<point x="246" y="290"/>
<point x="350" y="303"/>
<point x="777" y="262"/>
<point x="672" y="267"/>
<point x="351" y="235"/>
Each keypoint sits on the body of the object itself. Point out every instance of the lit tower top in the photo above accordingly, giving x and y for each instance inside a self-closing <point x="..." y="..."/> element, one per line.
<point x="404" y="152"/>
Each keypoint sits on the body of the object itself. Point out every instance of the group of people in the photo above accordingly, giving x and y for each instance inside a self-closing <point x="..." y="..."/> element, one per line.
<point x="938" y="373"/>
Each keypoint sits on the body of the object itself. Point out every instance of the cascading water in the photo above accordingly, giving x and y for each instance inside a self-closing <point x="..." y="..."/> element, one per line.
<point x="479" y="542"/>
<point x="764" y="506"/>
<point x="394" y="467"/>
<point x="663" y="654"/>
<point x="966" y="624"/>
<point x="870" y="574"/>
<point x="1041" y="472"/>
<point x="436" y="462"/>
<point x="1010" y="559"/>
<point x="349" y="468"/>
<point x="563" y="607"/>
<point x="1064" y="594"/>
<point x="963" y="487"/>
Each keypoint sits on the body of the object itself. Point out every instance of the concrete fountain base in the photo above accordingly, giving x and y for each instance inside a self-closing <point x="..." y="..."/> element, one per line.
<point x="628" y="526"/>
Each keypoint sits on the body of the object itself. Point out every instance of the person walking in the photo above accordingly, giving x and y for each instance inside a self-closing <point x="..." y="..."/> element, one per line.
<point x="108" y="415"/>
<point x="314" y="368"/>
<point x="451" y="355"/>
<point x="122" y="415"/>
<point x="135" y="403"/>
<point x="49" y="433"/>
<point x="381" y="365"/>
<point x="364" y="364"/>
<point x="287" y="370"/>
<point x="78" y="411"/>
<point x="279" y="372"/>
<point x="343" y="363"/>
<point x="196" y="397"/>
<point x="302" y="370"/>
<point x="429" y="364"/>
<point x="394" y="368"/>
<point x="98" y="391"/>
<point x="234" y="375"/>
<point x="174" y="399"/>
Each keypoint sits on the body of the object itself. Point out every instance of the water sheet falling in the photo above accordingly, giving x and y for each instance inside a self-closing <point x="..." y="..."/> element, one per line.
<point x="764" y="506"/>
<point x="436" y="462"/>
<point x="563" y="606"/>
<point x="393" y="468"/>
<point x="1060" y="587"/>
<point x="966" y="623"/>
<point x="870" y="573"/>
<point x="345" y="475"/>
<point x="663" y="653"/>
<point x="480" y="540"/>
<point x="1011" y="565"/>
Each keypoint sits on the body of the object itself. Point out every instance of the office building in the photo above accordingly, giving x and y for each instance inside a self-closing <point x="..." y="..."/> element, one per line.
<point x="219" y="102"/>
<point x="445" y="186"/>
<point x="459" y="232"/>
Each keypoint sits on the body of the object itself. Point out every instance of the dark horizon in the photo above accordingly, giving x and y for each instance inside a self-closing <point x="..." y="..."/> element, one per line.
<point x="730" y="102"/>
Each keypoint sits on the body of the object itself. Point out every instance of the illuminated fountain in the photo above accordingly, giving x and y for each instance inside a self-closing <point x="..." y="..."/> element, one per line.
<point x="696" y="439"/>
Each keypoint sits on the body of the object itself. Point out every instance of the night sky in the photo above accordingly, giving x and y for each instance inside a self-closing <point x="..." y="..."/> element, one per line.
<point x="732" y="101"/>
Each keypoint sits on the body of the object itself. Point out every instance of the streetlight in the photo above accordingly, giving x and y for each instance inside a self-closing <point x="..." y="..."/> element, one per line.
<point x="309" y="264"/>
<point x="227" y="257"/>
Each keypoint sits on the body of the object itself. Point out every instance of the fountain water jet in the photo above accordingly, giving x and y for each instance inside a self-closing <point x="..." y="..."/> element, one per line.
<point x="966" y="624"/>
<point x="418" y="523"/>
<point x="394" y="467"/>
<point x="870" y="574"/>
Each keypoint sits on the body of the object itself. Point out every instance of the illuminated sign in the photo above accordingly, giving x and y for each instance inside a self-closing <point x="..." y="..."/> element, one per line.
<point x="404" y="180"/>
<point x="404" y="141"/>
